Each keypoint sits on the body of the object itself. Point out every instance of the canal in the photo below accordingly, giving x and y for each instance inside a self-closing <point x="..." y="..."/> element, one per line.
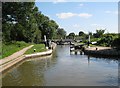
<point x="63" y="69"/>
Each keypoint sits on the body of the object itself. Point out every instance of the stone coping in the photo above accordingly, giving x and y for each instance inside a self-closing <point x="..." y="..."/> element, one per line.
<point x="48" y="52"/>
<point x="102" y="52"/>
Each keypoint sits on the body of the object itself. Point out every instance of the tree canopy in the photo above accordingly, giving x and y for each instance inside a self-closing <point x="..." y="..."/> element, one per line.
<point x="99" y="33"/>
<point x="23" y="22"/>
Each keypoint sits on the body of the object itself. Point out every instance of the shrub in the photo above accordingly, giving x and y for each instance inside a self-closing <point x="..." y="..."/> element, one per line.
<point x="116" y="43"/>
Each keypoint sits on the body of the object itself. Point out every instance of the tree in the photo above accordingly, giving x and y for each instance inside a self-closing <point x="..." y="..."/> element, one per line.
<point x="98" y="33"/>
<point x="71" y="35"/>
<point x="23" y="22"/>
<point x="17" y="32"/>
<point x="90" y="33"/>
<point x="52" y="31"/>
<point x="81" y="33"/>
<point x="6" y="32"/>
<point x="21" y="16"/>
<point x="37" y="36"/>
<point x="61" y="33"/>
<point x="48" y="27"/>
<point x="43" y="24"/>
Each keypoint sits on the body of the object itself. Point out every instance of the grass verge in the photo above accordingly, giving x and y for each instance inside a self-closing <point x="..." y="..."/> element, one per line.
<point x="9" y="49"/>
<point x="37" y="47"/>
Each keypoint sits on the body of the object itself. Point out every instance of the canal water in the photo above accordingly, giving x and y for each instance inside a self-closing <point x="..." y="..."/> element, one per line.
<point x="64" y="69"/>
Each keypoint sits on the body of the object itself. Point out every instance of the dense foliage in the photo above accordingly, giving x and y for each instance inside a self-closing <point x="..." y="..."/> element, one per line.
<point x="116" y="42"/>
<point x="23" y="22"/>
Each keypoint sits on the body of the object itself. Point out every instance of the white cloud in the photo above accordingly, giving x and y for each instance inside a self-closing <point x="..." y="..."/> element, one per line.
<point x="111" y="12"/>
<point x="58" y="1"/>
<point x="85" y="15"/>
<point x="69" y="15"/>
<point x="107" y="11"/>
<point x="81" y="5"/>
<point x="65" y="15"/>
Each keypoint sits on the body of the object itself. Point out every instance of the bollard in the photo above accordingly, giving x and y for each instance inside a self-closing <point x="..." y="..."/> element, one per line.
<point x="80" y="52"/>
<point x="34" y="50"/>
<point x="96" y="48"/>
<point x="75" y="52"/>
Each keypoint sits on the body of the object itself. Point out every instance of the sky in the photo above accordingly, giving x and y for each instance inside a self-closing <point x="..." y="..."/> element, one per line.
<point x="82" y="16"/>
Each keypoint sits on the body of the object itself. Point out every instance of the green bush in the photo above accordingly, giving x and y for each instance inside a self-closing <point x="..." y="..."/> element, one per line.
<point x="106" y="40"/>
<point x="116" y="43"/>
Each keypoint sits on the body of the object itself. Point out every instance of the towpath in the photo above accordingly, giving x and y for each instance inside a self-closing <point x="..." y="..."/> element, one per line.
<point x="15" y="55"/>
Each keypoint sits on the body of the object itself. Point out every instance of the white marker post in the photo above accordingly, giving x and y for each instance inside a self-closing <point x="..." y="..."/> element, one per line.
<point x="45" y="41"/>
<point x="45" y="38"/>
<point x="89" y="42"/>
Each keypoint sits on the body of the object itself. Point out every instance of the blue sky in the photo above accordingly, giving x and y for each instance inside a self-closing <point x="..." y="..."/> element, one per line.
<point x="82" y="16"/>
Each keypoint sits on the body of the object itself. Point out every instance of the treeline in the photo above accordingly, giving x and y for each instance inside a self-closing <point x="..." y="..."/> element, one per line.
<point x="102" y="38"/>
<point x="21" y="21"/>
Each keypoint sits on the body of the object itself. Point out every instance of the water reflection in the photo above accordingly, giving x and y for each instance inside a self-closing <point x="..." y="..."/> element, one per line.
<point x="29" y="73"/>
<point x="63" y="69"/>
<point x="106" y="60"/>
<point x="88" y="60"/>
